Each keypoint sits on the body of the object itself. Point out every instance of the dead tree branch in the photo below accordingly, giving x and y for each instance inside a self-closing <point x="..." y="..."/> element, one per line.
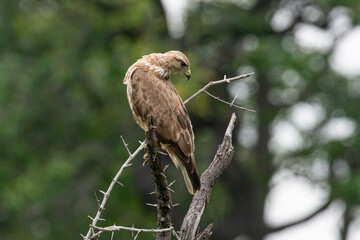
<point x="212" y="83"/>
<point x="206" y="233"/>
<point x="231" y="104"/>
<point x="221" y="160"/>
<point x="161" y="185"/>
<point x="106" y="194"/>
<point x="115" y="228"/>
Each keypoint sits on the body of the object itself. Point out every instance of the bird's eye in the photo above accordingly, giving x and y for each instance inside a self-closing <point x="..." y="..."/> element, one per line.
<point x="183" y="64"/>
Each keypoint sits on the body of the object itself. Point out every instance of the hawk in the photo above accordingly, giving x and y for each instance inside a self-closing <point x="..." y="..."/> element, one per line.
<point x="151" y="94"/>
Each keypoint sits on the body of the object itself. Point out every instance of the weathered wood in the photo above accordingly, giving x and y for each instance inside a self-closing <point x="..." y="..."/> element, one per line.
<point x="221" y="160"/>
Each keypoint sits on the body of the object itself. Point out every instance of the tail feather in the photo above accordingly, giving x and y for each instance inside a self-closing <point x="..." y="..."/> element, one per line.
<point x="190" y="174"/>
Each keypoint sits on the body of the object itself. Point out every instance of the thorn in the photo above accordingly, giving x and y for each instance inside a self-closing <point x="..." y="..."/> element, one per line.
<point x="170" y="189"/>
<point x="176" y="204"/>
<point x="151" y="204"/>
<point x="101" y="219"/>
<point x="92" y="219"/>
<point x="82" y="235"/>
<point x="112" y="235"/>
<point x="97" y="200"/>
<point x="162" y="174"/>
<point x="152" y="193"/>
<point x="166" y="167"/>
<point x="120" y="183"/>
<point x="171" y="183"/>
<point x="102" y="192"/>
<point x="232" y="102"/>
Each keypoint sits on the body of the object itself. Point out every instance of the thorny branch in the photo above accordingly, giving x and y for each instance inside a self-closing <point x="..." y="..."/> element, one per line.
<point x="90" y="233"/>
<point x="207" y="232"/>
<point x="115" y="228"/>
<point x="161" y="185"/>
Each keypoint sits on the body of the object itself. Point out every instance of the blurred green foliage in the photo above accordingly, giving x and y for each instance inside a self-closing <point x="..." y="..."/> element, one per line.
<point x="63" y="107"/>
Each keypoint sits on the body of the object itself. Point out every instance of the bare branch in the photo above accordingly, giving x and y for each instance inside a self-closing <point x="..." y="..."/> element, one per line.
<point x="221" y="160"/>
<point x="175" y="234"/>
<point x="231" y="104"/>
<point x="213" y="83"/>
<point x="206" y="233"/>
<point x="107" y="194"/>
<point x="115" y="228"/>
<point x="126" y="145"/>
<point x="162" y="189"/>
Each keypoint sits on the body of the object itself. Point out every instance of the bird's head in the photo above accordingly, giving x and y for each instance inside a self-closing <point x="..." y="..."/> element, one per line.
<point x="178" y="63"/>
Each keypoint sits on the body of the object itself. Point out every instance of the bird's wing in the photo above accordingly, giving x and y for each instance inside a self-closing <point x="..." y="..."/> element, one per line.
<point x="155" y="97"/>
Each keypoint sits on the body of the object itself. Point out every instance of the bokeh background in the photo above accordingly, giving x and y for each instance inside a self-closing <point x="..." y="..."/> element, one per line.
<point x="63" y="107"/>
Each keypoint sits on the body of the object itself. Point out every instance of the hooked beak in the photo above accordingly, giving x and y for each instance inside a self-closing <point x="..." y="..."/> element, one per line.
<point x="188" y="74"/>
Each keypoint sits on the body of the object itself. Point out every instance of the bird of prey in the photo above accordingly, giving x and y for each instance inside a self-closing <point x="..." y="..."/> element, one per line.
<point x="151" y="94"/>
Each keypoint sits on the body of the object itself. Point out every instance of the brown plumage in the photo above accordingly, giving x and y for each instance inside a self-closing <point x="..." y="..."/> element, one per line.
<point x="151" y="93"/>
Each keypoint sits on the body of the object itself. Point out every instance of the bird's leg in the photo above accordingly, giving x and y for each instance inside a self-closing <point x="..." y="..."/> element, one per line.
<point x="146" y="155"/>
<point x="160" y="149"/>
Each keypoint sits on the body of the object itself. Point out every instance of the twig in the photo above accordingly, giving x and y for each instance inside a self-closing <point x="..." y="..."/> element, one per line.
<point x="212" y="83"/>
<point x="107" y="194"/>
<point x="206" y="233"/>
<point x="231" y="104"/>
<point x="175" y="234"/>
<point x="126" y="145"/>
<point x="115" y="228"/>
<point x="221" y="160"/>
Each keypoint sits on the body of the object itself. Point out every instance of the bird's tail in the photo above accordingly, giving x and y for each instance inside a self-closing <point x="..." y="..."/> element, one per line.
<point x="192" y="179"/>
<point x="189" y="172"/>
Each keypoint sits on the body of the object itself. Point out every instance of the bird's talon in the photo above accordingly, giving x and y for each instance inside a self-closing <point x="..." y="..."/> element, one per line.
<point x="145" y="163"/>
